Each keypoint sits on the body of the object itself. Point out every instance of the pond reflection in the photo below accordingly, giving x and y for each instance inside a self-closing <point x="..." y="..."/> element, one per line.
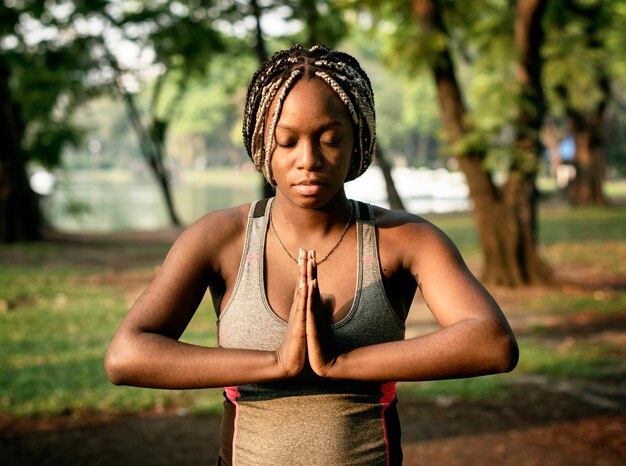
<point x="106" y="201"/>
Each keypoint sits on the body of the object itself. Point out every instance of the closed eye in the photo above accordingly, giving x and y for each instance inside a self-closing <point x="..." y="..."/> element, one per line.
<point x="287" y="143"/>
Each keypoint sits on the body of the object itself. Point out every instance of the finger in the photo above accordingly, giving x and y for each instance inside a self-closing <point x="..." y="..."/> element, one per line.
<point x="311" y="293"/>
<point x="300" y="292"/>
<point x="312" y="266"/>
<point x="310" y="308"/>
<point x="301" y="274"/>
<point x="312" y="276"/>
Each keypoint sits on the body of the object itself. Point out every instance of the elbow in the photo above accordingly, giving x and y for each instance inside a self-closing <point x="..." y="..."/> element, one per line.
<point x="508" y="353"/>
<point x="116" y="366"/>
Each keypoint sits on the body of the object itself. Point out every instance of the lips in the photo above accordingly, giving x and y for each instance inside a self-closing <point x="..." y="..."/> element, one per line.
<point x="308" y="187"/>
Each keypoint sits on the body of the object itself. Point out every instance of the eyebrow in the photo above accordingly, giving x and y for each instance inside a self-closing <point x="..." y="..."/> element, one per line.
<point x="329" y="125"/>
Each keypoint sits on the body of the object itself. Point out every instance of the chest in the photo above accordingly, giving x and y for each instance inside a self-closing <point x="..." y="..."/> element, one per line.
<point x="337" y="278"/>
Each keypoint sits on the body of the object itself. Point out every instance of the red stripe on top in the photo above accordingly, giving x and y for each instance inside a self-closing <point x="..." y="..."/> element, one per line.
<point x="388" y="394"/>
<point x="232" y="393"/>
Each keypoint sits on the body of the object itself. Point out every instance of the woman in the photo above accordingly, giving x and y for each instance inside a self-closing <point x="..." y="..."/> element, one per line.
<point x="311" y="289"/>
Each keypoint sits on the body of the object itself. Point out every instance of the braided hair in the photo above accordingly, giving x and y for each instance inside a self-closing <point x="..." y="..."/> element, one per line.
<point x="275" y="79"/>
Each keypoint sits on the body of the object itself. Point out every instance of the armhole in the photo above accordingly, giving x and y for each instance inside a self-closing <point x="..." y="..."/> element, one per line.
<point x="254" y="208"/>
<point x="379" y="273"/>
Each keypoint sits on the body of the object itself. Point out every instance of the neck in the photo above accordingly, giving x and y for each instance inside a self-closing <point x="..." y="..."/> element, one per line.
<point x="312" y="228"/>
<point x="309" y="220"/>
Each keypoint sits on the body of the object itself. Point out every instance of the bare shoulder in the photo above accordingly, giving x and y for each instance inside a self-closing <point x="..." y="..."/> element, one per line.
<point x="398" y="226"/>
<point x="222" y="224"/>
<point x="214" y="236"/>
<point x="412" y="240"/>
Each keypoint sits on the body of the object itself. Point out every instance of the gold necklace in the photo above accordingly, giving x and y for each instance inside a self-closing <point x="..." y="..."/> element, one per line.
<point x="284" y="248"/>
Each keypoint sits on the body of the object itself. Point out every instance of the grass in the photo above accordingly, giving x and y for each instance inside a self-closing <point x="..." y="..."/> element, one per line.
<point x="56" y="320"/>
<point x="55" y="327"/>
<point x="569" y="358"/>
<point x="591" y="241"/>
<point x="477" y="388"/>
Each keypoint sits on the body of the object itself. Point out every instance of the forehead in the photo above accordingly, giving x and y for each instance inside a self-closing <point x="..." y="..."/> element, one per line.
<point x="312" y="99"/>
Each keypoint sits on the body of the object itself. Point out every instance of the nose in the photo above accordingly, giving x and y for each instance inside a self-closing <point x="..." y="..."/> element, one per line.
<point x="309" y="156"/>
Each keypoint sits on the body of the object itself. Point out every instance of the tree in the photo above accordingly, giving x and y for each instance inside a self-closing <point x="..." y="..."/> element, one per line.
<point x="20" y="218"/>
<point x="578" y="79"/>
<point x="505" y="213"/>
<point x="80" y="54"/>
<point x="39" y="91"/>
<point x="180" y="57"/>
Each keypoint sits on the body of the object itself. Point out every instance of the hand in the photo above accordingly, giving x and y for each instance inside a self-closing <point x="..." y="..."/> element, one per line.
<point x="318" y="321"/>
<point x="291" y="354"/>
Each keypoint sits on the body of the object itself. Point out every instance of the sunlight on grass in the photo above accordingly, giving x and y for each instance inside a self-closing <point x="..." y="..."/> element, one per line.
<point x="477" y="388"/>
<point x="56" y="320"/>
<point x="568" y="359"/>
<point x="55" y="327"/>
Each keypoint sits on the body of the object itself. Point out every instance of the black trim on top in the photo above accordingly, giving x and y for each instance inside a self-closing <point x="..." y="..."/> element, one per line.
<point x="259" y="208"/>
<point x="364" y="212"/>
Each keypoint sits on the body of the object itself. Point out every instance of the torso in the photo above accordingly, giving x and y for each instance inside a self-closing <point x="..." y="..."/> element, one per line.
<point x="342" y="422"/>
<point x="337" y="275"/>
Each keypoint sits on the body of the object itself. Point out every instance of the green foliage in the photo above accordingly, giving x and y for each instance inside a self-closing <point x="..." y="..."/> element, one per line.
<point x="322" y="22"/>
<point x="481" y="41"/>
<point x="574" y="66"/>
<point x="406" y="107"/>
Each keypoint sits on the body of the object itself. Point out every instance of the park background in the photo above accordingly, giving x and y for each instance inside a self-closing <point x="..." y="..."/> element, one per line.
<point x="503" y="122"/>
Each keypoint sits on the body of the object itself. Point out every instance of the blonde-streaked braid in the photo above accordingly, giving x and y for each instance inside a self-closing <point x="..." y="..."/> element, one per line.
<point x="274" y="80"/>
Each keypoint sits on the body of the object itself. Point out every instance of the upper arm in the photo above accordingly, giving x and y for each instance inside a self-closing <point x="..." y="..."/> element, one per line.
<point x="448" y="287"/>
<point x="193" y="263"/>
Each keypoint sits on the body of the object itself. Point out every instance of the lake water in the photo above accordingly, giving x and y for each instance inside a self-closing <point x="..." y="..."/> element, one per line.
<point x="106" y="202"/>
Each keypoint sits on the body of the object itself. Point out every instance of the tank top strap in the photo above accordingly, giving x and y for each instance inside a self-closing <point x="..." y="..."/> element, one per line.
<point x="249" y="283"/>
<point x="257" y="226"/>
<point x="368" y="249"/>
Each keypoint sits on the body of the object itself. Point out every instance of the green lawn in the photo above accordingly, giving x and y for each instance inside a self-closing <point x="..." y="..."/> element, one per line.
<point x="55" y="325"/>
<point x="57" y="319"/>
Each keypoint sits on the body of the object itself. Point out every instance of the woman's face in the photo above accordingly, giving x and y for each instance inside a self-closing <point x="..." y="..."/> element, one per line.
<point x="314" y="138"/>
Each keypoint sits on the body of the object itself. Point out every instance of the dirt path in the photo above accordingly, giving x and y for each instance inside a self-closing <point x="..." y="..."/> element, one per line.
<point x="535" y="426"/>
<point x="544" y="422"/>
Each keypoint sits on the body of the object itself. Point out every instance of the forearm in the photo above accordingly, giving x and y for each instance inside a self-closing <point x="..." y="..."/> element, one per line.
<point x="155" y="361"/>
<point x="465" y="349"/>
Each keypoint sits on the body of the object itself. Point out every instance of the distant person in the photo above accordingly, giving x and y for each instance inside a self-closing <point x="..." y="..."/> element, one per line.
<point x="311" y="289"/>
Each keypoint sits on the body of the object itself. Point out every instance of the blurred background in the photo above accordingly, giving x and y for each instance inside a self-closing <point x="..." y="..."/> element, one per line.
<point x="501" y="121"/>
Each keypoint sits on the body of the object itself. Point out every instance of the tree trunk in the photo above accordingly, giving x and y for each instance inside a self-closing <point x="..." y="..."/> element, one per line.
<point x="151" y="151"/>
<point x="395" y="202"/>
<point x="589" y="126"/>
<point x="589" y="162"/>
<point x="550" y="139"/>
<point x="260" y="49"/>
<point x="149" y="144"/>
<point x="505" y="218"/>
<point x="20" y="215"/>
<point x="520" y="191"/>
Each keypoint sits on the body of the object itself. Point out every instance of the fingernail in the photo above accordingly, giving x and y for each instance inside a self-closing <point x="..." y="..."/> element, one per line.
<point x="300" y="256"/>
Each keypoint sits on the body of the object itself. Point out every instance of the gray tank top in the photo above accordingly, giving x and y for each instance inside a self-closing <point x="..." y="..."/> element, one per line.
<point x="307" y="419"/>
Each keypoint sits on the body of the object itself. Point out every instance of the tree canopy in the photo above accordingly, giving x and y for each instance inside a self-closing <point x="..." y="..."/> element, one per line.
<point x="180" y="69"/>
